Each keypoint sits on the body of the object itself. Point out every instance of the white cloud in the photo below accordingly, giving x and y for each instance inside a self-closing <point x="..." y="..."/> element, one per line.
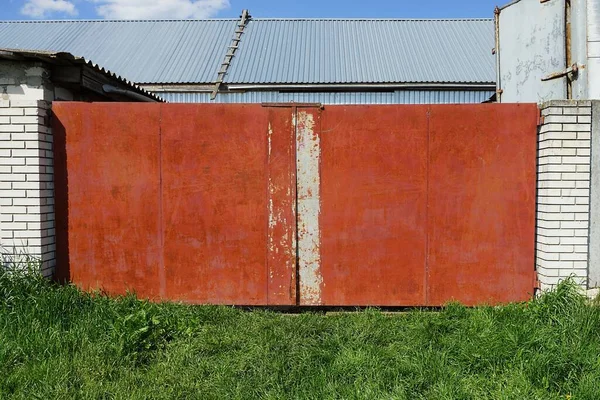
<point x="159" y="9"/>
<point x="44" y="8"/>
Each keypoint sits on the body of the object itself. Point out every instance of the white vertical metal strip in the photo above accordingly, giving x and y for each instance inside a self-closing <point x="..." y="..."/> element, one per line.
<point x="308" y="159"/>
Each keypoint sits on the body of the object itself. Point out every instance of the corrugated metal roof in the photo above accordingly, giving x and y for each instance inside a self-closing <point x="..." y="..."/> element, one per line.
<point x="365" y="51"/>
<point x="396" y="97"/>
<point x="274" y="50"/>
<point x="143" y="51"/>
<point x="63" y="58"/>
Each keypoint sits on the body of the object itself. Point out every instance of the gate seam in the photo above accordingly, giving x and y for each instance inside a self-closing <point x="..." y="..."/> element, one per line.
<point x="427" y="221"/>
<point x="161" y="272"/>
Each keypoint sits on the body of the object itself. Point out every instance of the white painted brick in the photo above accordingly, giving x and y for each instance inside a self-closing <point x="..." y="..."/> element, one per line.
<point x="12" y="177"/>
<point x="551" y="128"/>
<point x="577" y="176"/>
<point x="27" y="120"/>
<point x="27" y="217"/>
<point x="27" y="234"/>
<point x="575" y="192"/>
<point x="550" y="160"/>
<point x="584" y="152"/>
<point x="577" y="111"/>
<point x="582" y="273"/>
<point x="577" y="127"/>
<point x="4" y="103"/>
<point x="581" y="232"/>
<point x="549" y="240"/>
<point x="547" y="256"/>
<point x="555" y="264"/>
<point x="582" y="249"/>
<point x="583" y="200"/>
<point x="25" y="201"/>
<point x="556" y="200"/>
<point x="12" y="128"/>
<point x="26" y="169"/>
<point x="570" y="257"/>
<point x="576" y="160"/>
<point x="546" y="208"/>
<point x="12" y="193"/>
<point x="556" y="185"/>
<point x="584" y="136"/>
<point x="4" y="120"/>
<point x="557" y="152"/>
<point x="12" y="161"/>
<point x="558" y="135"/>
<point x="560" y="119"/>
<point x="583" y="168"/>
<point x="584" y="216"/>
<point x="584" y="119"/>
<point x="552" y="111"/>
<point x="574" y="209"/>
<point x="548" y="223"/>
<point x="574" y="240"/>
<point x="556" y="248"/>
<point x="12" y="111"/>
<point x="550" y="192"/>
<point x="549" y="143"/>
<point x="12" y="144"/>
<point x="26" y="103"/>
<point x="574" y="225"/>
<point x="11" y="226"/>
<point x="557" y="168"/>
<point x="33" y="153"/>
<point x="576" y="143"/>
<point x="582" y="184"/>
<point x="553" y="232"/>
<point x="26" y="185"/>
<point x="14" y="210"/>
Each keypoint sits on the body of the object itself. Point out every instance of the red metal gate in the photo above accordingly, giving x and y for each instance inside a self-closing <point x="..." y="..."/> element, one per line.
<point x="295" y="205"/>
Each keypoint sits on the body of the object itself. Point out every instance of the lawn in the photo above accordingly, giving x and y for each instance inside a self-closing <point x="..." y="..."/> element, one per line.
<point x="60" y="343"/>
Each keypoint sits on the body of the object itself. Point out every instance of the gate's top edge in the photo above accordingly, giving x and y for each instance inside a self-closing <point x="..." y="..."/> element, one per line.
<point x="293" y="104"/>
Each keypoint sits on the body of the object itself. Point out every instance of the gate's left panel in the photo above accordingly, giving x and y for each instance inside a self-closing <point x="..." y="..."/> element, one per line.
<point x="107" y="171"/>
<point x="185" y="202"/>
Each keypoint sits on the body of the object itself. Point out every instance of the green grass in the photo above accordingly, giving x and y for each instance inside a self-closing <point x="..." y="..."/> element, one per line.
<point x="59" y="343"/>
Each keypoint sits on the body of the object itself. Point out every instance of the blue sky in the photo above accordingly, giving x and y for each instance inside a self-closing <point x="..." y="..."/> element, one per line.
<point x="119" y="9"/>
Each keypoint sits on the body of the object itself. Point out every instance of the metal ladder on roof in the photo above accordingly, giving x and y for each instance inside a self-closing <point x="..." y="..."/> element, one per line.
<point x="231" y="49"/>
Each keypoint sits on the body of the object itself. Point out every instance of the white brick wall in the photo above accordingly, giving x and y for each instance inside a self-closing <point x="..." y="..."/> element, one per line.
<point x="26" y="182"/>
<point x="563" y="211"/>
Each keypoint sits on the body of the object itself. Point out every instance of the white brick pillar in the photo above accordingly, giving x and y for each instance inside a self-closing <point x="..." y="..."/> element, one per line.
<point x="563" y="214"/>
<point x="26" y="172"/>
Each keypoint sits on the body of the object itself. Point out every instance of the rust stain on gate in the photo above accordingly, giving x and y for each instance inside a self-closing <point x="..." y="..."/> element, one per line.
<point x="294" y="205"/>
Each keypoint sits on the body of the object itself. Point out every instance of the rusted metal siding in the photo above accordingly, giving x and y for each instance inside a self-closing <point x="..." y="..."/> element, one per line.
<point x="298" y="205"/>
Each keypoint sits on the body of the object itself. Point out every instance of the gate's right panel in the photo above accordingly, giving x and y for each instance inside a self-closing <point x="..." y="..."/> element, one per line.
<point x="481" y="207"/>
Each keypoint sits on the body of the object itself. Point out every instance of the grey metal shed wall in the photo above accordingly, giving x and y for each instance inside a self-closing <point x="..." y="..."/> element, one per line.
<point x="397" y="97"/>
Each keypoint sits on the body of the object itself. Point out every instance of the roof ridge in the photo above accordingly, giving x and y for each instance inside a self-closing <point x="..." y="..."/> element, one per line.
<point x="49" y="21"/>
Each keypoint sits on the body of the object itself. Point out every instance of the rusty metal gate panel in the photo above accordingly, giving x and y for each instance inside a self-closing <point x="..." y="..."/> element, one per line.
<point x="481" y="218"/>
<point x="296" y="205"/>
<point x="373" y="191"/>
<point x="420" y="205"/>
<point x="179" y="202"/>
<point x="107" y="172"/>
